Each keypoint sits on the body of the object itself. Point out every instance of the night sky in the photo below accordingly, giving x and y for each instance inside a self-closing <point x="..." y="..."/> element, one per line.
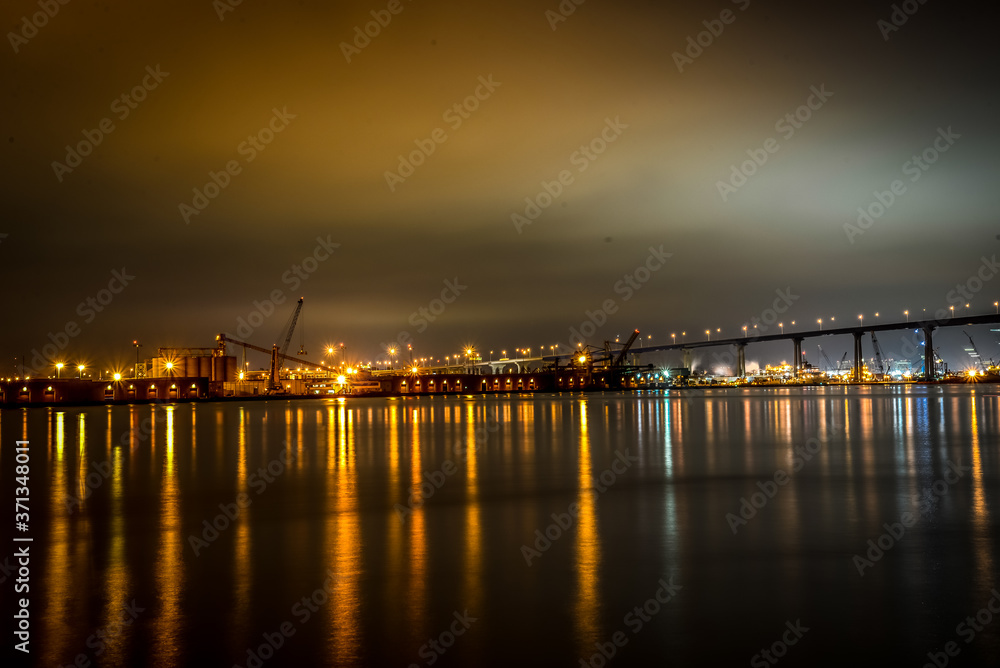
<point x="520" y="160"/>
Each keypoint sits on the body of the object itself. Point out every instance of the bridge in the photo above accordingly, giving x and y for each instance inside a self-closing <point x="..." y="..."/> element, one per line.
<point x="796" y="337"/>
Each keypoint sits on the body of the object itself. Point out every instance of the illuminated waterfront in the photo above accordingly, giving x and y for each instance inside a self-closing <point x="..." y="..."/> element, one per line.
<point x="543" y="523"/>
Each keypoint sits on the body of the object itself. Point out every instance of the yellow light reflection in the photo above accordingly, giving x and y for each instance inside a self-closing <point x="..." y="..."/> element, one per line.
<point x="242" y="564"/>
<point x="56" y="630"/>
<point x="417" y="542"/>
<point x="343" y="535"/>
<point x="473" y="530"/>
<point x="588" y="548"/>
<point x="980" y="512"/>
<point x="169" y="561"/>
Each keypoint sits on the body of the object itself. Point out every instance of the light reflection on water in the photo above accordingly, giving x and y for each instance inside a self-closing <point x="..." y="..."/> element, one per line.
<point x="400" y="577"/>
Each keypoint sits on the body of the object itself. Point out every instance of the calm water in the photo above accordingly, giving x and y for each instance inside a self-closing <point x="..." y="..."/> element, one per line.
<point x="331" y="556"/>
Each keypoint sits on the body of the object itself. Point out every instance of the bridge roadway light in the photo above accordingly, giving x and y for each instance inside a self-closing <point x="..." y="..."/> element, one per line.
<point x="781" y="326"/>
<point x="708" y="333"/>
<point x="907" y="314"/>
<point x="820" y="321"/>
<point x="862" y="319"/>
<point x="996" y="305"/>
<point x="744" y="331"/>
<point x="80" y="368"/>
<point x="59" y="366"/>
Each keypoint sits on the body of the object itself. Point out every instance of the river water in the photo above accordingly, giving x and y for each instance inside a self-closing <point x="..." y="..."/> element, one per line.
<point x="674" y="528"/>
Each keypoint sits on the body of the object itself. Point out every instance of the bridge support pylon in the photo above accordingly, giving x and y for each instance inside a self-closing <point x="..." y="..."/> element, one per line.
<point x="857" y="356"/>
<point x="741" y="360"/>
<point x="929" y="353"/>
<point x="796" y="356"/>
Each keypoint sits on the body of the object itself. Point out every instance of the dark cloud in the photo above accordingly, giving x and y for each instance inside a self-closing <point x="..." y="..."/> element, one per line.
<point x="346" y="124"/>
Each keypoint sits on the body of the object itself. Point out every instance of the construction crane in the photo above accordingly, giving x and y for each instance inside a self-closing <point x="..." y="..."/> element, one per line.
<point x="878" y="357"/>
<point x="291" y="328"/>
<point x="829" y="364"/>
<point x="974" y="353"/>
<point x="628" y="344"/>
<point x="277" y="354"/>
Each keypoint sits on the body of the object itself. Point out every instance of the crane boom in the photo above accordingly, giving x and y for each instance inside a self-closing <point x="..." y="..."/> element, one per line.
<point x="291" y="328"/>
<point x="624" y="350"/>
<point x="223" y="339"/>
<point x="878" y="356"/>
<point x="974" y="353"/>
<point x="829" y="364"/>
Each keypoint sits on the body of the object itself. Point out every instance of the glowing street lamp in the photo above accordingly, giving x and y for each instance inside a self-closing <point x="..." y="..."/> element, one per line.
<point x="59" y="366"/>
<point x="996" y="305"/>
<point x="80" y="368"/>
<point x="907" y="314"/>
<point x="708" y="333"/>
<point x="673" y="337"/>
<point x="861" y="317"/>
<point x="781" y="326"/>
<point x="744" y="331"/>
<point x="820" y="321"/>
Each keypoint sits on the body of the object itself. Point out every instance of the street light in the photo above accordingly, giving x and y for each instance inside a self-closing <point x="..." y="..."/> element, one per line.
<point x="80" y="369"/>
<point x="907" y="314"/>
<point x="820" y="321"/>
<point x="137" y="346"/>
<point x="708" y="333"/>
<point x="744" y="331"/>
<point x="59" y="366"/>
<point x="673" y="337"/>
<point x="781" y="326"/>
<point x="996" y="305"/>
<point x="862" y="319"/>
